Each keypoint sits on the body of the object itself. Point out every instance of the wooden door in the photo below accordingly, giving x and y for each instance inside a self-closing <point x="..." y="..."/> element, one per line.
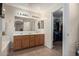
<point x="25" y="42"/>
<point x="32" y="40"/>
<point x="17" y="43"/>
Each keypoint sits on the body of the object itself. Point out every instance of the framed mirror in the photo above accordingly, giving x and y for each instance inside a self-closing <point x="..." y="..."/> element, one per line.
<point x="18" y="26"/>
<point x="24" y="24"/>
<point x="41" y="24"/>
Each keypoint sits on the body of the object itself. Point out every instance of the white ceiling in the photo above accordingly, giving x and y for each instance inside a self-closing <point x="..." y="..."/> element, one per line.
<point x="46" y="6"/>
<point x="37" y="6"/>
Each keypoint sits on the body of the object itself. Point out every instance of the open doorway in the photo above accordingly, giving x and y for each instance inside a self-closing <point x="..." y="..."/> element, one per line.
<point x="58" y="30"/>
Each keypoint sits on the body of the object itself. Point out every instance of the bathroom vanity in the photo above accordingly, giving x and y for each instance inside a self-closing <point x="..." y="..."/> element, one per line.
<point x="26" y="34"/>
<point x="28" y="41"/>
<point x="27" y="30"/>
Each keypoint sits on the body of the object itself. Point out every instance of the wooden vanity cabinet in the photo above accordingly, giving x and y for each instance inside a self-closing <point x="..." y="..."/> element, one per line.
<point x="28" y="41"/>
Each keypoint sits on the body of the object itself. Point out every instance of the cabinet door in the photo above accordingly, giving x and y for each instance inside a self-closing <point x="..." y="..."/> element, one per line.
<point x="32" y="40"/>
<point x="41" y="37"/>
<point x="25" y="42"/>
<point x="17" y="43"/>
<point x="37" y="40"/>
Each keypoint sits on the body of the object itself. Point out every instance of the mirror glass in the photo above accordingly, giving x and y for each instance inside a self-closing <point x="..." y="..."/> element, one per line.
<point x="41" y="24"/>
<point x="24" y="24"/>
<point x="18" y="26"/>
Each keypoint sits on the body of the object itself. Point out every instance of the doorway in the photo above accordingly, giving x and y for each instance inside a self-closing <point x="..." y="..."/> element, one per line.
<point x="58" y="30"/>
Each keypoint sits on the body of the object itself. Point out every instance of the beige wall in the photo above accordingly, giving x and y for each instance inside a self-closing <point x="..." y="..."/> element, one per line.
<point x="0" y="35"/>
<point x="71" y="28"/>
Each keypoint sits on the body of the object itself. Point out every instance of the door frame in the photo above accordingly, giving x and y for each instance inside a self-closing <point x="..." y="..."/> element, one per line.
<point x="52" y="28"/>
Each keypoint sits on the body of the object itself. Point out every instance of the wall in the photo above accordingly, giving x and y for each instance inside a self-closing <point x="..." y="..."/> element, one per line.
<point x="71" y="26"/>
<point x="0" y="35"/>
<point x="66" y="30"/>
<point x="9" y="19"/>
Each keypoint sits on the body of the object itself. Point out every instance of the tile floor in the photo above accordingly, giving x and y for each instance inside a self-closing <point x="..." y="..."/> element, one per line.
<point x="39" y="51"/>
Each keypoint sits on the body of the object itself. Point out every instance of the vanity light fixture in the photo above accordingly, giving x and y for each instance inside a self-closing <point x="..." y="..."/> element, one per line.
<point x="22" y="14"/>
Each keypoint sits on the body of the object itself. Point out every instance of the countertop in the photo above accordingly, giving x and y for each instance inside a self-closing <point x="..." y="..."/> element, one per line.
<point x="26" y="33"/>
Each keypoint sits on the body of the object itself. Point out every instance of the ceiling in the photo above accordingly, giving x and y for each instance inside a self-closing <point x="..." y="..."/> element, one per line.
<point x="37" y="6"/>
